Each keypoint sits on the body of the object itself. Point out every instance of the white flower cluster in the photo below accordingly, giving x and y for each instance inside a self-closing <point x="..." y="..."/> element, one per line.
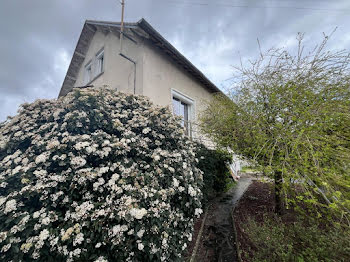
<point x="96" y="176"/>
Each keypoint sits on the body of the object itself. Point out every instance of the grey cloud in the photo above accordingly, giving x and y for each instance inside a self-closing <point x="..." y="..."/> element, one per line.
<point x="38" y="36"/>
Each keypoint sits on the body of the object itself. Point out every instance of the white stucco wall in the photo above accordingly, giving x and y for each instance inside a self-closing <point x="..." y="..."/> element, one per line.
<point x="162" y="75"/>
<point x="118" y="72"/>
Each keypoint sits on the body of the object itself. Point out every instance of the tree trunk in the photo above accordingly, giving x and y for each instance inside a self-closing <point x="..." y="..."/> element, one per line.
<point x="278" y="192"/>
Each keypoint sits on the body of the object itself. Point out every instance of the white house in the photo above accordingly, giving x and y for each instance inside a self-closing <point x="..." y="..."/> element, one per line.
<point x="147" y="64"/>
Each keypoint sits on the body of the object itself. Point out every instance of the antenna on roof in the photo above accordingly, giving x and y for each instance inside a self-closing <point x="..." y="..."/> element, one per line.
<point x="122" y="2"/>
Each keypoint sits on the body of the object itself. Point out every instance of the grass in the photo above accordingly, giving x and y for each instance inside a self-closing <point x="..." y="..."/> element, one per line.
<point x="249" y="169"/>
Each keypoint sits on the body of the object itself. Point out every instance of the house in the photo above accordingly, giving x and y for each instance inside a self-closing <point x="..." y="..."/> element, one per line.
<point x="139" y="61"/>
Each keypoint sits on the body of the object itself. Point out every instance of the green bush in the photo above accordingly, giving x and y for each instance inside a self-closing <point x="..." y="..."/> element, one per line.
<point x="304" y="240"/>
<point x="216" y="173"/>
<point x="96" y="176"/>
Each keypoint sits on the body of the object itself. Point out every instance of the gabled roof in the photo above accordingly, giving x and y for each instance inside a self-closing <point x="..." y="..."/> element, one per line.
<point x="147" y="31"/>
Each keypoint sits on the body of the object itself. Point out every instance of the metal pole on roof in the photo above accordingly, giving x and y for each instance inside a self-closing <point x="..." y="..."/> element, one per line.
<point x="122" y="2"/>
<point x="122" y="26"/>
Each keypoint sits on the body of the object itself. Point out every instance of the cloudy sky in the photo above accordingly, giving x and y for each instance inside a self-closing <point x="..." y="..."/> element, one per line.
<point x="38" y="37"/>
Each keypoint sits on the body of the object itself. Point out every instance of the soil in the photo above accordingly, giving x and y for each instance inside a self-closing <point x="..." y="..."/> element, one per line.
<point x="258" y="200"/>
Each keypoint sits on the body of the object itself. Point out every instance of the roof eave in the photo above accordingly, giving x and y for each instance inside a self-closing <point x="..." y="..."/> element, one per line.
<point x="150" y="30"/>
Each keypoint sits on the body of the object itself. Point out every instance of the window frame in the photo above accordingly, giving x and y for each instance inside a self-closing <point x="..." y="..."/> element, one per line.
<point x="189" y="104"/>
<point x="88" y="76"/>
<point x="100" y="67"/>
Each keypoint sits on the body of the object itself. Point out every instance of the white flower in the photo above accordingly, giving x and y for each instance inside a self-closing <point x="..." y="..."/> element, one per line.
<point x="2" y="200"/>
<point x="140" y="246"/>
<point x="99" y="182"/>
<point x="146" y="130"/>
<point x="198" y="211"/>
<point x="54" y="241"/>
<point x="40" y="172"/>
<point x="138" y="213"/>
<point x="10" y="206"/>
<point x="76" y="252"/>
<point x="78" y="162"/>
<point x="6" y="248"/>
<point x="81" y="145"/>
<point x="44" y="234"/>
<point x="3" y="142"/>
<point x="66" y="235"/>
<point x="45" y="221"/>
<point x="3" y="236"/>
<point x="16" y="170"/>
<point x="41" y="158"/>
<point x="189" y="237"/>
<point x="36" y="214"/>
<point x="98" y="245"/>
<point x="25" y="247"/>
<point x="140" y="233"/>
<point x="191" y="191"/>
<point x="52" y="144"/>
<point x="24" y="220"/>
<point x="156" y="158"/>
<point x="175" y="182"/>
<point x="101" y="259"/>
<point x="118" y="229"/>
<point x="78" y="239"/>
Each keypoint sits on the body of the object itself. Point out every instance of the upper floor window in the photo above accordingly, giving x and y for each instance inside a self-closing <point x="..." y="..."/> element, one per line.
<point x="88" y="73"/>
<point x="100" y="62"/>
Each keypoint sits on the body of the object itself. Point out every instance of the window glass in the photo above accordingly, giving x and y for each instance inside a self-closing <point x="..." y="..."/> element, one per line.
<point x="100" y="62"/>
<point x="88" y="73"/>
<point x="181" y="109"/>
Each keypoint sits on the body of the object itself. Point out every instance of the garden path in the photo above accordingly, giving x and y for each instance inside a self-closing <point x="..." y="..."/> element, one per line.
<point x="217" y="243"/>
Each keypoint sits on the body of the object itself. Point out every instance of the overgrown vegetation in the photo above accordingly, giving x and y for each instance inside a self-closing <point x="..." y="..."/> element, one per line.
<point x="216" y="173"/>
<point x="304" y="239"/>
<point x="290" y="114"/>
<point x="292" y="237"/>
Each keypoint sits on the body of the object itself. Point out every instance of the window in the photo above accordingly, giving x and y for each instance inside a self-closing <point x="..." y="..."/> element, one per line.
<point x="181" y="109"/>
<point x="88" y="73"/>
<point x="183" y="106"/>
<point x="99" y="62"/>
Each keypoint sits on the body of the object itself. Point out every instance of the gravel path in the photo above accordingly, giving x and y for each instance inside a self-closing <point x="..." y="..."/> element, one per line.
<point x="217" y="242"/>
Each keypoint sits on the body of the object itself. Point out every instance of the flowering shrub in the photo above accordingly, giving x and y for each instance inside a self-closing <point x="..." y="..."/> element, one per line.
<point x="96" y="176"/>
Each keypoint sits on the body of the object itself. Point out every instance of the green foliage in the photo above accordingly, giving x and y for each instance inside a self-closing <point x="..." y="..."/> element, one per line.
<point x="290" y="114"/>
<point x="303" y="240"/>
<point x="216" y="173"/>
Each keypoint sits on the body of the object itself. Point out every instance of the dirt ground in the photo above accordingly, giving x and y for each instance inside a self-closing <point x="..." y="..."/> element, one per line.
<point x="257" y="200"/>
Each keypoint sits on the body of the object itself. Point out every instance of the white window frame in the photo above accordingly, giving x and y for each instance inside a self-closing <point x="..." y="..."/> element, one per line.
<point x="88" y="73"/>
<point x="100" y="67"/>
<point x="190" y="107"/>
